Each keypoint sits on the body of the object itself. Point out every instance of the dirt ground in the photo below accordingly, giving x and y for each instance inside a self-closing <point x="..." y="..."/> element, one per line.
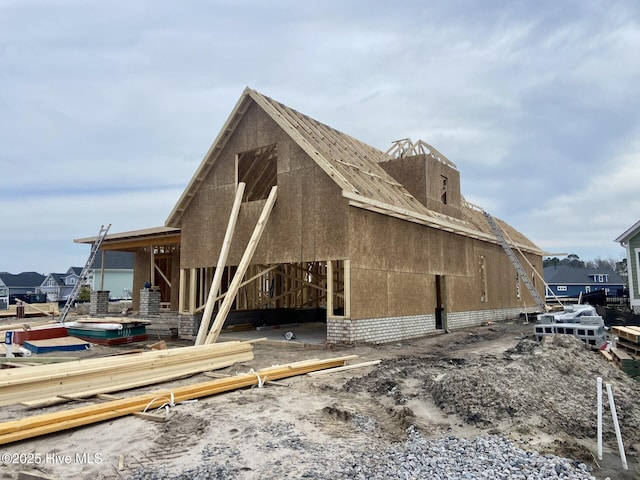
<point x="493" y="379"/>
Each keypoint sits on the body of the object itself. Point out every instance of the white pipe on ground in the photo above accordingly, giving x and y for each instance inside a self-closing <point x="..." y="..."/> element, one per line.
<point x="599" y="418"/>
<point x="612" y="404"/>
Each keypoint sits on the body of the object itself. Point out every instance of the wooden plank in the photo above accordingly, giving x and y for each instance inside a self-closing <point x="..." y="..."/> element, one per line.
<point x="345" y="367"/>
<point x="30" y="427"/>
<point x="606" y="355"/>
<point x="242" y="267"/>
<point x="38" y="360"/>
<point x="628" y="333"/>
<point x="109" y="374"/>
<point x="26" y="325"/>
<point x="628" y="346"/>
<point x="222" y="261"/>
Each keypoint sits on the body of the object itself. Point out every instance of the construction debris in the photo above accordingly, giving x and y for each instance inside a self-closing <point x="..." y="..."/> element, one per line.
<point x="626" y="353"/>
<point x="30" y="427"/>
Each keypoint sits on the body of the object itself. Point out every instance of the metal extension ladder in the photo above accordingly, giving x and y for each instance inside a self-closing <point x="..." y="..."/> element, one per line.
<point x="85" y="272"/>
<point x="516" y="263"/>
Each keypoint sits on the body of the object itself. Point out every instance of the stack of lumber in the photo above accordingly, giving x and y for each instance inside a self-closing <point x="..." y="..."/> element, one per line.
<point x="626" y="354"/>
<point x="49" y="384"/>
<point x="30" y="427"/>
<point x="109" y="330"/>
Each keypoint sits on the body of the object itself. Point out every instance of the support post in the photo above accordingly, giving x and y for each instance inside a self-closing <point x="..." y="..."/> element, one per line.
<point x="242" y="267"/>
<point x="616" y="426"/>
<point x="330" y="288"/>
<point x="222" y="260"/>
<point x="183" y="281"/>
<point x="599" y="391"/>
<point x="347" y="288"/>
<point x="193" y="274"/>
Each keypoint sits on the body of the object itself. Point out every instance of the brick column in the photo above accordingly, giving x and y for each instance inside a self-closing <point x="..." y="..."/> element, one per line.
<point x="150" y="302"/>
<point x="99" y="303"/>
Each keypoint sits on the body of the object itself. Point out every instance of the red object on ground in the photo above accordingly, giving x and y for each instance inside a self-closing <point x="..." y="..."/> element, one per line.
<point x="38" y="333"/>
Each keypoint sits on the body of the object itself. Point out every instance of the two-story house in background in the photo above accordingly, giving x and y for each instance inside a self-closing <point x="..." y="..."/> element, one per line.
<point x="58" y="286"/>
<point x="565" y="281"/>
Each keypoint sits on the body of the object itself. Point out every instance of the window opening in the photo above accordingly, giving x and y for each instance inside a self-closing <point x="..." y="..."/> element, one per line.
<point x="443" y="190"/>
<point x="258" y="169"/>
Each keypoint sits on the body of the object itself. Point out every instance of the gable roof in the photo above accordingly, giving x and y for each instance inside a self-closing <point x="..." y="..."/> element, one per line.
<point x="73" y="271"/>
<point x="354" y="167"/>
<point x="22" y="280"/>
<point x="57" y="277"/>
<point x="628" y="234"/>
<point x="566" y="274"/>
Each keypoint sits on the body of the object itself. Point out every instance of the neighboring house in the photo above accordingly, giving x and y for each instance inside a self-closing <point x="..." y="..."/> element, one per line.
<point x="58" y="286"/>
<point x="117" y="275"/>
<point x="4" y="296"/>
<point x="565" y="281"/>
<point x="630" y="240"/>
<point x="380" y="245"/>
<point x="22" y="285"/>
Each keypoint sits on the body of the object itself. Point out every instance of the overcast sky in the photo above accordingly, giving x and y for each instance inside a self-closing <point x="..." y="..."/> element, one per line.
<point x="107" y="108"/>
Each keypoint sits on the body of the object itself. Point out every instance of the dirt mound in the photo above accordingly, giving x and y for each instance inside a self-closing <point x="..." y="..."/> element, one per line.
<point x="547" y="387"/>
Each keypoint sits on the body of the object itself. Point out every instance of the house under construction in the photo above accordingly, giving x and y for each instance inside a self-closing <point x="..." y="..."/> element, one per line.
<point x="380" y="245"/>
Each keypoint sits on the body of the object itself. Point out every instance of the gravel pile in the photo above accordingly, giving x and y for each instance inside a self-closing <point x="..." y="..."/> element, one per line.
<point x="449" y="458"/>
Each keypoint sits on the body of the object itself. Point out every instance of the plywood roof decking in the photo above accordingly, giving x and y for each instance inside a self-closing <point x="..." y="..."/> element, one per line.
<point x="353" y="166"/>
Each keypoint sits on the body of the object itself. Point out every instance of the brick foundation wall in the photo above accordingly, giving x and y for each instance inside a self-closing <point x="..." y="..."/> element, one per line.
<point x="188" y="325"/>
<point x="379" y="330"/>
<point x="459" y="320"/>
<point x="394" y="329"/>
<point x="163" y="326"/>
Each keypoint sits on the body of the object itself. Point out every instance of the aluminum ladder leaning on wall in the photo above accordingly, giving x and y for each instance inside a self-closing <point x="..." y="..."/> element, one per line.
<point x="85" y="272"/>
<point x="516" y="263"/>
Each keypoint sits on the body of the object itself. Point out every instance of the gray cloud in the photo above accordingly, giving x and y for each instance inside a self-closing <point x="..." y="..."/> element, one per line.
<point x="106" y="109"/>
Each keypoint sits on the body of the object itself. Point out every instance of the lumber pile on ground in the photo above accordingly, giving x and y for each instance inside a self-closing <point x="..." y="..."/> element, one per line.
<point x="49" y="384"/>
<point x="30" y="427"/>
<point x="626" y="354"/>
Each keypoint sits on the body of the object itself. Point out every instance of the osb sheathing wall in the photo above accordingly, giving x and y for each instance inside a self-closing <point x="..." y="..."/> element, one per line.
<point x="394" y="264"/>
<point x="309" y="219"/>
<point x="422" y="176"/>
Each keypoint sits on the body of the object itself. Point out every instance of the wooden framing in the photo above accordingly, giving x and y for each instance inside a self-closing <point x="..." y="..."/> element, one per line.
<point x="288" y="285"/>
<point x="42" y="385"/>
<point x="222" y="260"/>
<point x="359" y="232"/>
<point x="242" y="268"/>
<point x="30" y="427"/>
